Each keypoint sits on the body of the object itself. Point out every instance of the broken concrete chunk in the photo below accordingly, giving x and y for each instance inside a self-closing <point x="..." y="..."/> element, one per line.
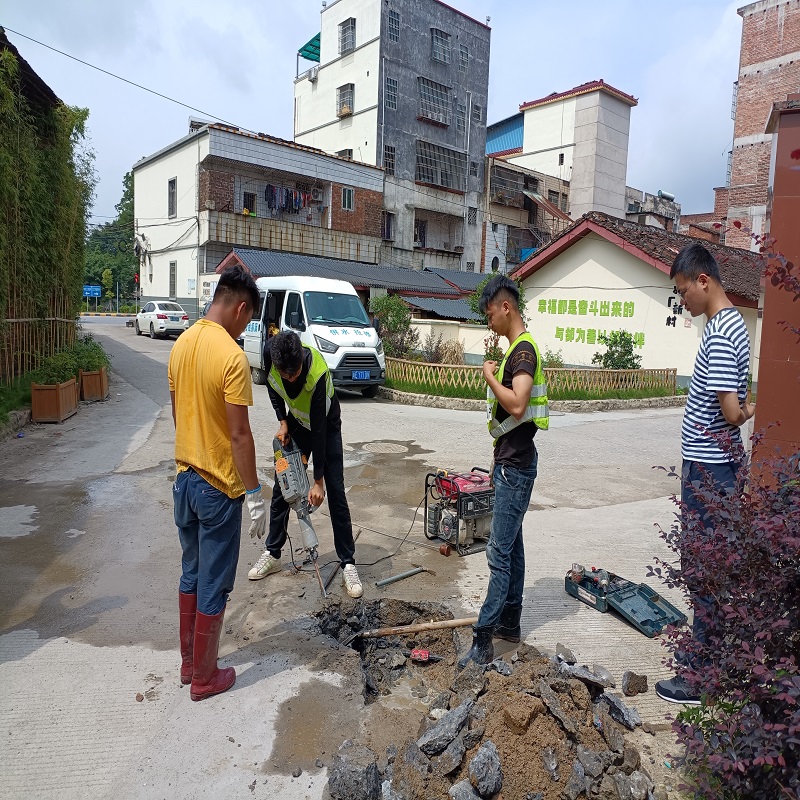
<point x="412" y="756"/>
<point x="623" y="786"/>
<point x="563" y="653"/>
<point x="591" y="677"/>
<point x="450" y="760"/>
<point x="640" y="786"/>
<point x="551" y="763"/>
<point x="445" y="730"/>
<point x="484" y="770"/>
<point x="387" y="793"/>
<point x="554" y="704"/>
<point x="354" y="774"/>
<point x="501" y="667"/>
<point x="577" y="781"/>
<point x="631" y="760"/>
<point x="440" y="700"/>
<point x="604" y="674"/>
<point x="633" y="684"/>
<point x="473" y="736"/>
<point x="527" y="652"/>
<point x="591" y="761"/>
<point x="628" y="716"/>
<point x="462" y="791"/>
<point x="470" y="682"/>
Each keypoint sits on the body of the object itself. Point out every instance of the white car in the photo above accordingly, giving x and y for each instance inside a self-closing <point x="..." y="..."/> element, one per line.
<point x="161" y="318"/>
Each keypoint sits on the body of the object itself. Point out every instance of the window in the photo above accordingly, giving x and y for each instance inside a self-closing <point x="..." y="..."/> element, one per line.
<point x="347" y="198"/>
<point x="249" y="202"/>
<point x="294" y="306"/>
<point x="347" y="36"/>
<point x="345" y="97"/>
<point x="553" y="197"/>
<point x="390" y="99"/>
<point x="470" y="266"/>
<point x="387" y="226"/>
<point x="473" y="169"/>
<point x="394" y="26"/>
<point x="434" y="101"/>
<point x="477" y="113"/>
<point x="560" y="159"/>
<point x="420" y="232"/>
<point x="346" y="153"/>
<point x="495" y="264"/>
<point x="440" y="166"/>
<point x="563" y="205"/>
<point x="472" y="215"/>
<point x="388" y="159"/>
<point x="172" y="197"/>
<point x="461" y="117"/>
<point x="173" y="280"/>
<point x="463" y="58"/>
<point x="494" y="227"/>
<point x="440" y="46"/>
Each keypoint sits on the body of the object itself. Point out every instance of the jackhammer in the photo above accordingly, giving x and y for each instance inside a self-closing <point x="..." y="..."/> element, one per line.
<point x="292" y="476"/>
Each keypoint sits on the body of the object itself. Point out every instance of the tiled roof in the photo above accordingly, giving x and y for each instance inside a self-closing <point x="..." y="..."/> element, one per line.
<point x="584" y="88"/>
<point x="740" y="270"/>
<point x="467" y="282"/>
<point x="275" y="263"/>
<point x="447" y="309"/>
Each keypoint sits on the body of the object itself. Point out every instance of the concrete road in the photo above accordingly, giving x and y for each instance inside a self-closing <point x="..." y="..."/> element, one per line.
<point x="89" y="561"/>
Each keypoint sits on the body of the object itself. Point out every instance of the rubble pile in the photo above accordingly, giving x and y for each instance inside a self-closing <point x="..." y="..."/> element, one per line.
<point x="529" y="728"/>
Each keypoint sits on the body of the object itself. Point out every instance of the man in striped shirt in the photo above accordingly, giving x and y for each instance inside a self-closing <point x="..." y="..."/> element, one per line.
<point x="716" y="407"/>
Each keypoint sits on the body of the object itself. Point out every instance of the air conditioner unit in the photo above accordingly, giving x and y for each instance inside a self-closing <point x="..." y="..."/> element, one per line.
<point x="316" y="195"/>
<point x="313" y="74"/>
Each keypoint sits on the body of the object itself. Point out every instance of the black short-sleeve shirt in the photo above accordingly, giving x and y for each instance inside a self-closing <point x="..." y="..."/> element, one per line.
<point x="516" y="448"/>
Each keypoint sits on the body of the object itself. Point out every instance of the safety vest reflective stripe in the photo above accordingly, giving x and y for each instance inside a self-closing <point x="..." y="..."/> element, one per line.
<point x="537" y="410"/>
<point x="300" y="406"/>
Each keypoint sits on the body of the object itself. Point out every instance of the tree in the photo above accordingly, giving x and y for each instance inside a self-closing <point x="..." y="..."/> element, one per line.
<point x="110" y="246"/>
<point x="399" y="338"/>
<point x="619" y="353"/>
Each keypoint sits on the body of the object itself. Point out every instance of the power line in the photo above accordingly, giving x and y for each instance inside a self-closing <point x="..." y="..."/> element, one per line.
<point x="120" y="78"/>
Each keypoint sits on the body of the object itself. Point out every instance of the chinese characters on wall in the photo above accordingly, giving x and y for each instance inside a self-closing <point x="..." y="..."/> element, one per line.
<point x="623" y="309"/>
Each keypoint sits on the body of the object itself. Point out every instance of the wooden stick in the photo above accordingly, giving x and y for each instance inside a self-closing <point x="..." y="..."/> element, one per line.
<point x="422" y="626"/>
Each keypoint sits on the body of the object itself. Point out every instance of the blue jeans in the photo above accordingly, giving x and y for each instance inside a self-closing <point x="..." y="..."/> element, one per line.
<point x="724" y="476"/>
<point x="209" y="527"/>
<point x="505" y="551"/>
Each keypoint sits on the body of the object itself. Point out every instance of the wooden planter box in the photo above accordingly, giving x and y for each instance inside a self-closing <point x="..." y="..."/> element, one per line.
<point x="53" y="402"/>
<point x="94" y="385"/>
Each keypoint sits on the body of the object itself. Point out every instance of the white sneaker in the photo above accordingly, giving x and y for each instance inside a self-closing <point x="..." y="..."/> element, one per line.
<point x="265" y="565"/>
<point x="352" y="583"/>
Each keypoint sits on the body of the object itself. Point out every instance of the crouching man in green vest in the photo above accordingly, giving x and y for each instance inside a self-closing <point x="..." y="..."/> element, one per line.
<point x="516" y="397"/>
<point x="298" y="379"/>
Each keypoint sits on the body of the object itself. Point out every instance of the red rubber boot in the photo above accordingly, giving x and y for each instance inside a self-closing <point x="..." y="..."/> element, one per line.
<point x="207" y="678"/>
<point x="187" y="605"/>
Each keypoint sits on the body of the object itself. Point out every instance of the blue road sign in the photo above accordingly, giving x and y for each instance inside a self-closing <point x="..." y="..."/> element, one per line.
<point x="92" y="291"/>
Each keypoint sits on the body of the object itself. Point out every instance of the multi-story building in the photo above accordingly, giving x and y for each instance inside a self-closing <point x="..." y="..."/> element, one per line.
<point x="579" y="136"/>
<point x="403" y="85"/>
<point x="769" y="70"/>
<point x="658" y="210"/>
<point x="525" y="209"/>
<point x="219" y="187"/>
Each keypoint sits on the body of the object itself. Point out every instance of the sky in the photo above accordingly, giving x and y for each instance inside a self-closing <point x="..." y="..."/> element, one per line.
<point x="237" y="62"/>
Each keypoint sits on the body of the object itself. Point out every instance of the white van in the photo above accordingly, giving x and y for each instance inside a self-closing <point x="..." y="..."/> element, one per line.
<point x="326" y="314"/>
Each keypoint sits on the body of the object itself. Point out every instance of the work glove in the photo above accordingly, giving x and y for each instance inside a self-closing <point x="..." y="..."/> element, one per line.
<point x="258" y="513"/>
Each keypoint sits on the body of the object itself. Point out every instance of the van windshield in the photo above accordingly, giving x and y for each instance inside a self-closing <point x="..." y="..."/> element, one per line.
<point x="328" y="308"/>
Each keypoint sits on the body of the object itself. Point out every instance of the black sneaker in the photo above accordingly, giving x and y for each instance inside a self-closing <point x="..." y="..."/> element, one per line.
<point x="676" y="690"/>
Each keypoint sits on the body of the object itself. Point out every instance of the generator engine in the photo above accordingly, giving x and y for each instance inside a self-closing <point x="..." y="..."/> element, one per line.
<point x="459" y="508"/>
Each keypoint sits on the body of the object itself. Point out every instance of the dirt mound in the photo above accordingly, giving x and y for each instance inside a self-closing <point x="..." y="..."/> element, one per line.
<point x="530" y="727"/>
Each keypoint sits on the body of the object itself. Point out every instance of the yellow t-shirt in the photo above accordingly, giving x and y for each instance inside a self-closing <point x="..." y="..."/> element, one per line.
<point x="206" y="370"/>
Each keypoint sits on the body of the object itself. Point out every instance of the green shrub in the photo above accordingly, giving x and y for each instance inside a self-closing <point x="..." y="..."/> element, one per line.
<point x="399" y="338"/>
<point x="619" y="351"/>
<point x="552" y="360"/>
<point x="89" y="354"/>
<point x="14" y="395"/>
<point x="58" y="368"/>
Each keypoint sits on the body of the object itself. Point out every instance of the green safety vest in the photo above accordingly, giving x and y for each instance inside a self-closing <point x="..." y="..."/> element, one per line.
<point x="300" y="406"/>
<point x="537" y="411"/>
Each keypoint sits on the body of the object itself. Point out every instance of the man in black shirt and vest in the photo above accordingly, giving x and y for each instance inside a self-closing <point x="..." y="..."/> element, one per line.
<point x="516" y="397"/>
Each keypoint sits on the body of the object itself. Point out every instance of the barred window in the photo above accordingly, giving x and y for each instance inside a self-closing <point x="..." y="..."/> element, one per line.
<point x="440" y="46"/>
<point x="463" y="58"/>
<point x="553" y="197"/>
<point x="391" y="94"/>
<point x="250" y="202"/>
<point x="461" y="117"/>
<point x="470" y="266"/>
<point x="388" y="159"/>
<point x="387" y="226"/>
<point x="477" y="113"/>
<point x="440" y="166"/>
<point x="472" y="216"/>
<point x="434" y="101"/>
<point x="473" y="169"/>
<point x="347" y="36"/>
<point x="394" y="26"/>
<point x="345" y="97"/>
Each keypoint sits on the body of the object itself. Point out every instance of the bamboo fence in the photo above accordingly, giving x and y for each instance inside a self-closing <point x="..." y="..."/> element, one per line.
<point x="559" y="381"/>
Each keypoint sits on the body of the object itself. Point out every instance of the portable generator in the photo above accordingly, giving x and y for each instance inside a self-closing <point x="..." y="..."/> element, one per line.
<point x="459" y="508"/>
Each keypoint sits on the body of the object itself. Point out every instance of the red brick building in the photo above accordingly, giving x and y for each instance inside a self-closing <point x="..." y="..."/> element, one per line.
<point x="769" y="70"/>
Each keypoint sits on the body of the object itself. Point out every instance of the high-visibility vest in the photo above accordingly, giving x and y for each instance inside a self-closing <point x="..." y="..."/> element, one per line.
<point x="300" y="406"/>
<point x="537" y="411"/>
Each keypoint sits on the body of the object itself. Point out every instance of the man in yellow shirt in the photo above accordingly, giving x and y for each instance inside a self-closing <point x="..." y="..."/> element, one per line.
<point x="210" y="389"/>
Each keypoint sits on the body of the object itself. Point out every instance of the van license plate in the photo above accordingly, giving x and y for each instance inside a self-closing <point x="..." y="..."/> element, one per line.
<point x="360" y="374"/>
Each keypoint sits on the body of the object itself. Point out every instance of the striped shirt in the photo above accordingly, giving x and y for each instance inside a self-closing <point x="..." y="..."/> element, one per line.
<point x="722" y="365"/>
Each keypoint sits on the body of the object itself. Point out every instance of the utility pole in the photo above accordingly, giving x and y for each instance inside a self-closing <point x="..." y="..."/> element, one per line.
<point x="117" y="297"/>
